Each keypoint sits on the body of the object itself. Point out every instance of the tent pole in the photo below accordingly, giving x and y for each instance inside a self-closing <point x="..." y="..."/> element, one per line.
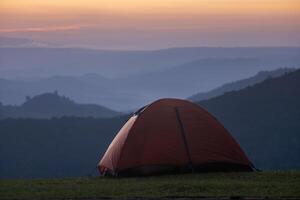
<point x="190" y="165"/>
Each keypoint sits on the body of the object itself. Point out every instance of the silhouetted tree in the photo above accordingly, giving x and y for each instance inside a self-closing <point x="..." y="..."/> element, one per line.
<point x="28" y="98"/>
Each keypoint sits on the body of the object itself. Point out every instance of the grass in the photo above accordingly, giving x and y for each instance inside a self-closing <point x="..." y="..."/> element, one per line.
<point x="256" y="184"/>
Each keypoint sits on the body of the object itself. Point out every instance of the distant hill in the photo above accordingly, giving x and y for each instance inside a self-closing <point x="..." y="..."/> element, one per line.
<point x="240" y="84"/>
<point x="125" y="80"/>
<point x="86" y="89"/>
<point x="43" y="62"/>
<point x="183" y="80"/>
<point x="135" y="91"/>
<point x="199" y="75"/>
<point x="265" y="119"/>
<point x="50" y="105"/>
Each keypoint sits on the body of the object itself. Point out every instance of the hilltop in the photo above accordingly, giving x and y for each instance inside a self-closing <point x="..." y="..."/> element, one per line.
<point x="50" y="105"/>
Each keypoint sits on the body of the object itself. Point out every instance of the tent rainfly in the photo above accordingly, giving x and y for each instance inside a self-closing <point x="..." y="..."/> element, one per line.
<point x="172" y="136"/>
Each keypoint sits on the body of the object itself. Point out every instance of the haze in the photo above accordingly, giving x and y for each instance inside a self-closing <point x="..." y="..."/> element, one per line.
<point x="135" y="24"/>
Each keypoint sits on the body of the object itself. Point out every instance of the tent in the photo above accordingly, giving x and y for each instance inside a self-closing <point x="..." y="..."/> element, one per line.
<point x="172" y="135"/>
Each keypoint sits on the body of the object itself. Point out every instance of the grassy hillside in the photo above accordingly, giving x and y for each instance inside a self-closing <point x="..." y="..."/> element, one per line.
<point x="256" y="184"/>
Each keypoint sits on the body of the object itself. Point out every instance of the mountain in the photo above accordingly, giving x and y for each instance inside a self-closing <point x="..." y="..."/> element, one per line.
<point x="125" y="80"/>
<point x="44" y="62"/>
<point x="200" y="75"/>
<point x="49" y="105"/>
<point x="129" y="93"/>
<point x="240" y="84"/>
<point x="264" y="118"/>
<point x="86" y="89"/>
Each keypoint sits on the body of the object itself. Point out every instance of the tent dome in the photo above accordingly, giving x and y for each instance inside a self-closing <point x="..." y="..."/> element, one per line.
<point x="172" y="135"/>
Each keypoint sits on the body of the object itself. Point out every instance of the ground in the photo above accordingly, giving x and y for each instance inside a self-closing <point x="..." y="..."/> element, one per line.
<point x="279" y="184"/>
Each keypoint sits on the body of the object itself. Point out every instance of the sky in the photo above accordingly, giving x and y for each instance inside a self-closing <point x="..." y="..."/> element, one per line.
<point x="153" y="24"/>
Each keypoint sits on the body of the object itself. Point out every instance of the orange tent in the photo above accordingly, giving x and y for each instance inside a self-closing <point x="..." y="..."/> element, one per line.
<point x="172" y="135"/>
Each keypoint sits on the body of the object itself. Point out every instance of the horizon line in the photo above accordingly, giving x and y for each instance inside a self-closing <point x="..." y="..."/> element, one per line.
<point x="141" y="49"/>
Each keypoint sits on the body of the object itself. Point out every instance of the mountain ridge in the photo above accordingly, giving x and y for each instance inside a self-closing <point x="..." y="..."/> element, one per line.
<point x="264" y="118"/>
<point x="109" y="63"/>
<point x="49" y="105"/>
<point x="240" y="84"/>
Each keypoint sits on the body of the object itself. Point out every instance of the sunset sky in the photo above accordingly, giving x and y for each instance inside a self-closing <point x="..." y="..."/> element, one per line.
<point x="140" y="24"/>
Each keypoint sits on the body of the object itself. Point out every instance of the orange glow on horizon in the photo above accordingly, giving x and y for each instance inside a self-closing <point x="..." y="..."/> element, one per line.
<point x="143" y="22"/>
<point x="32" y="7"/>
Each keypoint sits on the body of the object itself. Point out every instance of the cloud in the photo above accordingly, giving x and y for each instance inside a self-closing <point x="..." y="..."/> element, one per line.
<point x="41" y="29"/>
